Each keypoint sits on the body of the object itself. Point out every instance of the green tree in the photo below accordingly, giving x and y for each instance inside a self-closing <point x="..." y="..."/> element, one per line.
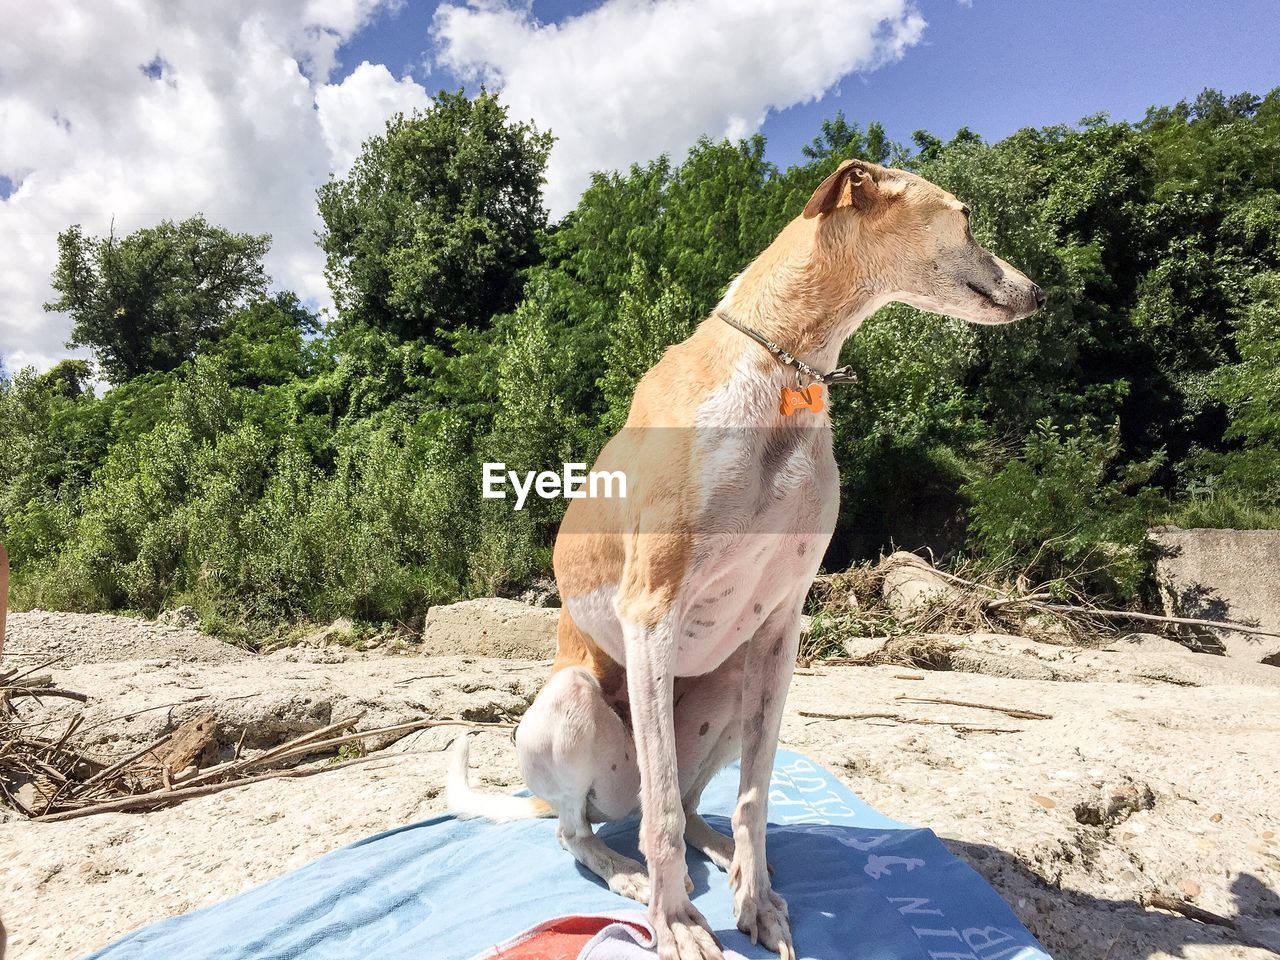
<point x="147" y="301"/>
<point x="437" y="218"/>
<point x="844" y="140"/>
<point x="651" y="317"/>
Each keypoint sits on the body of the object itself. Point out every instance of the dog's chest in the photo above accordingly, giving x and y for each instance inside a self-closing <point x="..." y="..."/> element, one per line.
<point x="769" y="501"/>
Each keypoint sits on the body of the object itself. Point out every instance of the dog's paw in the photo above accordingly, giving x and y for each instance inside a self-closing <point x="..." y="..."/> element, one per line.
<point x="631" y="883"/>
<point x="763" y="917"/>
<point x="685" y="935"/>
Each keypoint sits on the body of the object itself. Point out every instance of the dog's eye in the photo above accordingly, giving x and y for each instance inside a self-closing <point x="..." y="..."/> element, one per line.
<point x="965" y="211"/>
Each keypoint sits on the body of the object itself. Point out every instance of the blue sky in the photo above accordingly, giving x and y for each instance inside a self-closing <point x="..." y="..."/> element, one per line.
<point x="993" y="65"/>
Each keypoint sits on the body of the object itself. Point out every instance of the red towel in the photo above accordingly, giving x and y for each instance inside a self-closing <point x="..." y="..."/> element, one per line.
<point x="560" y="939"/>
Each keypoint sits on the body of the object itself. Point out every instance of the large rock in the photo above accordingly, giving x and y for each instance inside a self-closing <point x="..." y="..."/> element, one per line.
<point x="491" y="627"/>
<point x="1223" y="575"/>
<point x="911" y="584"/>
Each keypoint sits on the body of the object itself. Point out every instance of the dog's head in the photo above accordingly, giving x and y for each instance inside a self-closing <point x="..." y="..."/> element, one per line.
<point x="916" y="235"/>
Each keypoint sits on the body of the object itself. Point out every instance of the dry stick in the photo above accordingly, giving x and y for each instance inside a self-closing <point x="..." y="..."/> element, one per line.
<point x="318" y="734"/>
<point x="234" y="766"/>
<point x="1034" y="600"/>
<point x="1009" y="601"/>
<point x="72" y="727"/>
<point x="39" y="692"/>
<point x="963" y="582"/>
<point x="31" y="670"/>
<point x="902" y="719"/>
<point x="117" y="767"/>
<point x="908" y="676"/>
<point x="137" y="713"/>
<point x="53" y="752"/>
<point x="1015" y="712"/>
<point x="397" y="728"/>
<point x="309" y="744"/>
<point x="158" y="797"/>
<point x="1133" y="615"/>
<point x="1189" y="910"/>
<point x="315" y="746"/>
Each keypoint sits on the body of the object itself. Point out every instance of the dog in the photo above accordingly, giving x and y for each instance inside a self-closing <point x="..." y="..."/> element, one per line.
<point x="680" y="622"/>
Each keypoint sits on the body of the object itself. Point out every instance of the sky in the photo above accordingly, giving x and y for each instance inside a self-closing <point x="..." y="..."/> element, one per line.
<point x="126" y="112"/>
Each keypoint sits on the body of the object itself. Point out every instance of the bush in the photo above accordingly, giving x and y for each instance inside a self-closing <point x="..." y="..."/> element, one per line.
<point x="1062" y="512"/>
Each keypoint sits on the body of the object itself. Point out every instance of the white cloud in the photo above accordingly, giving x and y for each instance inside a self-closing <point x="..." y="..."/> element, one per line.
<point x="357" y="108"/>
<point x="236" y="116"/>
<point x="240" y="123"/>
<point x="632" y="79"/>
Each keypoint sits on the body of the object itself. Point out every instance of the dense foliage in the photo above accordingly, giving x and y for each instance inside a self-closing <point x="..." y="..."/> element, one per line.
<point x="149" y="301"/>
<point x="264" y="465"/>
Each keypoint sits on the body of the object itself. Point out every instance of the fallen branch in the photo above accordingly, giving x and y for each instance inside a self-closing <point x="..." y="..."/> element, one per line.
<point x="38" y="692"/>
<point x="275" y="753"/>
<point x="138" y="713"/>
<point x="117" y="767"/>
<point x="1015" y="712"/>
<point x="12" y="676"/>
<point x="189" y="788"/>
<point x="163" y="797"/>
<point x="396" y="728"/>
<point x="1042" y="601"/>
<point x="962" y="727"/>
<point x="962" y="581"/>
<point x="1010" y="601"/>
<point x="1150" y="617"/>
<point x="1189" y="910"/>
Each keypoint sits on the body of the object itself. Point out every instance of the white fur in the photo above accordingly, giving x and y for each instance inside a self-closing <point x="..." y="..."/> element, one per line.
<point x="467" y="803"/>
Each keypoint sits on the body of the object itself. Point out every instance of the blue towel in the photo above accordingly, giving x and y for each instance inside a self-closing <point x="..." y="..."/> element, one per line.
<point x="860" y="887"/>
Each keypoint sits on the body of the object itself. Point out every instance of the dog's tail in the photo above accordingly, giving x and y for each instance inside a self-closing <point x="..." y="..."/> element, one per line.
<point x="466" y="802"/>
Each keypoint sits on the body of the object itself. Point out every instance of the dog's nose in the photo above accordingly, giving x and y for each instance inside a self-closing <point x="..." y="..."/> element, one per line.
<point x="1038" y="294"/>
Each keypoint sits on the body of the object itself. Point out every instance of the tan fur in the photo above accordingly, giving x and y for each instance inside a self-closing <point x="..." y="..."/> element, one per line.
<point x="698" y="577"/>
<point x="794" y="292"/>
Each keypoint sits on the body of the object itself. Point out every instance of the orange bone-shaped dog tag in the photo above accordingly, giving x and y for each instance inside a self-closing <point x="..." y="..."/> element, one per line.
<point x="810" y="398"/>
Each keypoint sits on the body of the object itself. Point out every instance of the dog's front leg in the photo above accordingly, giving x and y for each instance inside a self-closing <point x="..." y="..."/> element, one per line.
<point x="771" y="657"/>
<point x="682" y="931"/>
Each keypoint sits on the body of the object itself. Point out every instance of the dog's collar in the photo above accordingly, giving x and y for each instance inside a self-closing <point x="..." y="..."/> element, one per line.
<point x="843" y="374"/>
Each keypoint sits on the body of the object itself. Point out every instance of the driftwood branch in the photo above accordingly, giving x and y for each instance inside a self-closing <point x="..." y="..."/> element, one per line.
<point x="1016" y="712"/>
<point x="899" y="718"/>
<point x="115" y="768"/>
<point x="38" y="692"/>
<point x="234" y="773"/>
<point x="1189" y="910"/>
<point x="1011" y="601"/>
<point x="1157" y="618"/>
<point x="163" y="797"/>
<point x="1043" y="601"/>
<point x="307" y="740"/>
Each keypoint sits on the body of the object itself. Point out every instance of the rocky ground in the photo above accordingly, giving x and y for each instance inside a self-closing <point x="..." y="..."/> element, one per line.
<point x="1156" y="773"/>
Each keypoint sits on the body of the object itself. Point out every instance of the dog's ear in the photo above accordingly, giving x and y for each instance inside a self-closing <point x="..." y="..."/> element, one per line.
<point x="858" y="176"/>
